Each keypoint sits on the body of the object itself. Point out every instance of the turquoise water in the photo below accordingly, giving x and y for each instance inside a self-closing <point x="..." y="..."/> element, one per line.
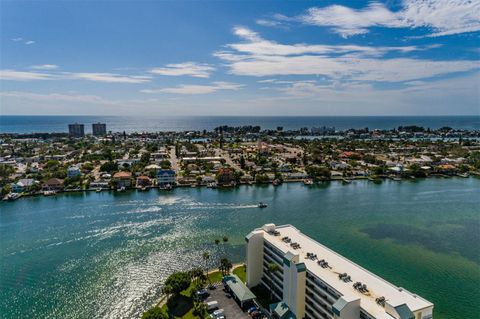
<point x="104" y="255"/>
<point x="29" y="124"/>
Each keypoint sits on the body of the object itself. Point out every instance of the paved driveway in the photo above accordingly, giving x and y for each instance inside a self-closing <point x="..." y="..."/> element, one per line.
<point x="232" y="309"/>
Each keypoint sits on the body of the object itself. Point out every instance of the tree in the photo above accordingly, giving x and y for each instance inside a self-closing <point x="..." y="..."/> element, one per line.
<point x="109" y="167"/>
<point x="155" y="313"/>
<point x="242" y="162"/>
<point x="272" y="268"/>
<point x="225" y="241"/>
<point x="206" y="258"/>
<point x="177" y="282"/>
<point x="225" y="266"/>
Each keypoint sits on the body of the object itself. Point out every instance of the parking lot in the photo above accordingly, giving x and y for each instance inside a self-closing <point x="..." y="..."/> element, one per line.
<point x="227" y="303"/>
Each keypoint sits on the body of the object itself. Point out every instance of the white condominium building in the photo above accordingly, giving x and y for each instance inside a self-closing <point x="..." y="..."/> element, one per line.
<point x="313" y="281"/>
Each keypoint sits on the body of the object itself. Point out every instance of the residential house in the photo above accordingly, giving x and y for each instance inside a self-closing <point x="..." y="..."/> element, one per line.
<point x="73" y="171"/>
<point x="166" y="177"/>
<point x="23" y="185"/>
<point x="123" y="179"/>
<point x="144" y="181"/>
<point x="226" y="176"/>
<point x="53" y="184"/>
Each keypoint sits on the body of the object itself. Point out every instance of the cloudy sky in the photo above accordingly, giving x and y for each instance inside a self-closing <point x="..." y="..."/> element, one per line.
<point x="402" y="57"/>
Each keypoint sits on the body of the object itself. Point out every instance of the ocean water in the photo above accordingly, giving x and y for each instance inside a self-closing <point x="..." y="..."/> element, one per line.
<point x="105" y="255"/>
<point x="48" y="124"/>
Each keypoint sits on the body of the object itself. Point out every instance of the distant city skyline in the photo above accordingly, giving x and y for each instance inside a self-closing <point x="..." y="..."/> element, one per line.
<point x="409" y="57"/>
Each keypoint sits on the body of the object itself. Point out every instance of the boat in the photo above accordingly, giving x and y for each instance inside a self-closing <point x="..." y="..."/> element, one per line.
<point x="397" y="179"/>
<point x="276" y="182"/>
<point x="262" y="205"/>
<point x="49" y="193"/>
<point x="98" y="190"/>
<point x="212" y="185"/>
<point x="346" y="181"/>
<point x="12" y="196"/>
<point x="464" y="175"/>
<point x="121" y="189"/>
<point x="308" y="181"/>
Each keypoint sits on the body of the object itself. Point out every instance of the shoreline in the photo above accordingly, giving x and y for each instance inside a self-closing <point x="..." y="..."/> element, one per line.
<point x="344" y="180"/>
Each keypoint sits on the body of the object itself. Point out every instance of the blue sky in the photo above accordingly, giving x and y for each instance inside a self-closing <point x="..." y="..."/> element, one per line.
<point x="404" y="57"/>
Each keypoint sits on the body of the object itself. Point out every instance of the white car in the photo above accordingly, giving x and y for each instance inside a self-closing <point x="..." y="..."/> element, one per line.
<point x="218" y="314"/>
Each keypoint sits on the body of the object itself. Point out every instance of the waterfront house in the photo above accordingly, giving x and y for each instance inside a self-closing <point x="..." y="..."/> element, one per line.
<point x="447" y="169"/>
<point x="123" y="179"/>
<point x="23" y="185"/>
<point x="144" y="181"/>
<point x="53" y="184"/>
<point x="166" y="177"/>
<point x="73" y="171"/>
<point x="225" y="176"/>
<point x="99" y="184"/>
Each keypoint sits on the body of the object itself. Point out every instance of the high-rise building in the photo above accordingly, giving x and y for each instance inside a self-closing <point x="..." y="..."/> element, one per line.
<point x="99" y="129"/>
<point x="312" y="281"/>
<point x="76" y="130"/>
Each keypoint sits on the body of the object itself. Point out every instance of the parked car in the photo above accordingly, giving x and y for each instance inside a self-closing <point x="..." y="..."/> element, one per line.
<point x="202" y="294"/>
<point x="252" y="309"/>
<point x="217" y="314"/>
<point x="212" y="305"/>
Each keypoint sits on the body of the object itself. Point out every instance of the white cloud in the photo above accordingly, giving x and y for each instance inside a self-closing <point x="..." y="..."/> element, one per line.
<point x="44" y="67"/>
<point x="111" y="77"/>
<point x="268" y="23"/>
<point x="246" y="34"/>
<point x="12" y="75"/>
<point x="187" y="68"/>
<point x="259" y="57"/>
<point x="24" y="41"/>
<point x="196" y="89"/>
<point x="356" y="98"/>
<point x="52" y="97"/>
<point x="442" y="17"/>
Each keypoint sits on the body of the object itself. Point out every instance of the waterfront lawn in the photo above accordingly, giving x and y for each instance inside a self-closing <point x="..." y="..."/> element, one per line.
<point x="241" y="272"/>
<point x="215" y="276"/>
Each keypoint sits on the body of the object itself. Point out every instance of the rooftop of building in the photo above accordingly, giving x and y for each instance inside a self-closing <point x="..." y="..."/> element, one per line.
<point x="337" y="264"/>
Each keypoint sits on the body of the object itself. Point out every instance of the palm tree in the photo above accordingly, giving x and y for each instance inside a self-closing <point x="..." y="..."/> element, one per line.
<point x="225" y="266"/>
<point x="225" y="241"/>
<point x="206" y="257"/>
<point x="272" y="268"/>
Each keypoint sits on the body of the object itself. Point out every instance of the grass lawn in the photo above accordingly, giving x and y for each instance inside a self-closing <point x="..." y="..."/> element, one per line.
<point x="241" y="272"/>
<point x="181" y="306"/>
<point x="215" y="276"/>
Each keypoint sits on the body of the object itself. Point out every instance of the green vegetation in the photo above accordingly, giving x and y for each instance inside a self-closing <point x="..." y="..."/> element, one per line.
<point x="177" y="282"/>
<point x="225" y="266"/>
<point x="263" y="296"/>
<point x="215" y="276"/>
<point x="155" y="313"/>
<point x="241" y="272"/>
